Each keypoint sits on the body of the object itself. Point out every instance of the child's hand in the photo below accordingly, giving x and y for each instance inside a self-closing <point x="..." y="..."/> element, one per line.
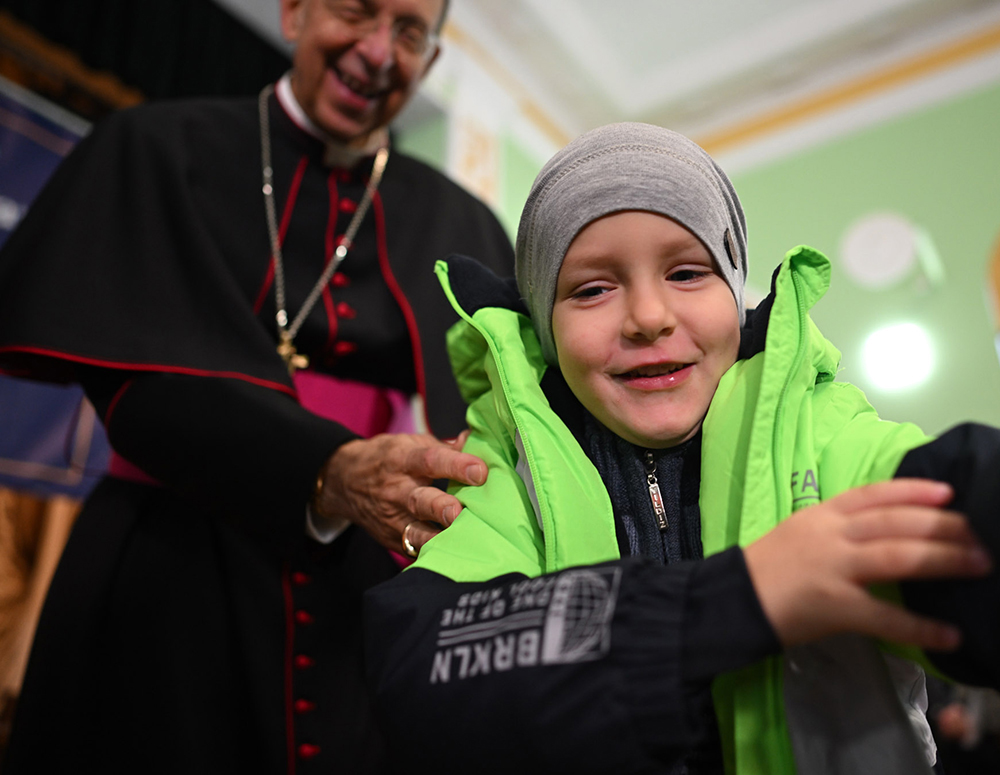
<point x="811" y="572"/>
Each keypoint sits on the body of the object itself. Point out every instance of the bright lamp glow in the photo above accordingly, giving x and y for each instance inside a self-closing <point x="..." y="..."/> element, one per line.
<point x="898" y="357"/>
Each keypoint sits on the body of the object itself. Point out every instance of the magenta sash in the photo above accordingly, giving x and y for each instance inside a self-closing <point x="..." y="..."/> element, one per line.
<point x="365" y="409"/>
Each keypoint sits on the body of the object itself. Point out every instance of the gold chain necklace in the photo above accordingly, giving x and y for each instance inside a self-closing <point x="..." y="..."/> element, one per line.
<point x="286" y="333"/>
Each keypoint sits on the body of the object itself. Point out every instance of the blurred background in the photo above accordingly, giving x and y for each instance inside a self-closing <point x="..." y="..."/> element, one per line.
<point x="866" y="128"/>
<point x="869" y="129"/>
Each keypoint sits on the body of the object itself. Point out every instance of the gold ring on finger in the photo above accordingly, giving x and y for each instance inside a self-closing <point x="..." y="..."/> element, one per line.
<point x="408" y="547"/>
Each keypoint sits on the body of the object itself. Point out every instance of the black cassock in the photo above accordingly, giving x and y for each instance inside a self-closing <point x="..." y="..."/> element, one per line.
<point x="192" y="626"/>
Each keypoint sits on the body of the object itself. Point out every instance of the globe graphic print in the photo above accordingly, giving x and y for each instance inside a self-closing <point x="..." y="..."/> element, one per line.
<point x="577" y="620"/>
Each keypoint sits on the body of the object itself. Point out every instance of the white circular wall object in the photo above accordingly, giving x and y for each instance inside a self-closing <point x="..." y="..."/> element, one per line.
<point x="879" y="250"/>
<point x="898" y="357"/>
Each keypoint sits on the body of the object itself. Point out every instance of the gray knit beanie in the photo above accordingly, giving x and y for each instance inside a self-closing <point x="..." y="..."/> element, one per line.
<point x="619" y="167"/>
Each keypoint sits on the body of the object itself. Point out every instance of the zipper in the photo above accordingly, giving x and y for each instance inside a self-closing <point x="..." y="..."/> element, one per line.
<point x="654" y="492"/>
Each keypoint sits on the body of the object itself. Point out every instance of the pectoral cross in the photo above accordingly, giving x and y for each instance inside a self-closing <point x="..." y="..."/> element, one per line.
<point x="293" y="360"/>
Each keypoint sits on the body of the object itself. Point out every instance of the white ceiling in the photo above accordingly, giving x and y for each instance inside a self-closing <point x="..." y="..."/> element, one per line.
<point x="693" y="65"/>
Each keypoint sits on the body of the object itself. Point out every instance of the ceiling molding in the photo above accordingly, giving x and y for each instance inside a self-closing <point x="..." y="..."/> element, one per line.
<point x="843" y="95"/>
<point x="528" y="106"/>
<point x="723" y="53"/>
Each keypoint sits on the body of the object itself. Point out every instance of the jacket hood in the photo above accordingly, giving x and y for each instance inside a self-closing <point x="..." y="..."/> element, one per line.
<point x="474" y="290"/>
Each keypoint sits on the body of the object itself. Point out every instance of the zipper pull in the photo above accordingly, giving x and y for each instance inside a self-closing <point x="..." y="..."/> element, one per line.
<point x="654" y="492"/>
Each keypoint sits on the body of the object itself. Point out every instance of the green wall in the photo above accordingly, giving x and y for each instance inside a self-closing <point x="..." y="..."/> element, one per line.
<point x="519" y="168"/>
<point x="940" y="168"/>
<point x="428" y="141"/>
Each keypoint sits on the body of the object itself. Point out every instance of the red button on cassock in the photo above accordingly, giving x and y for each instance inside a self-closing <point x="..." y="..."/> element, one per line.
<point x="344" y="348"/>
<point x="308" y="751"/>
<point x="303" y="617"/>
<point x="348" y="206"/>
<point x="346" y="311"/>
<point x="340" y="280"/>
<point x="300" y="579"/>
<point x="304" y="706"/>
<point x="302" y="661"/>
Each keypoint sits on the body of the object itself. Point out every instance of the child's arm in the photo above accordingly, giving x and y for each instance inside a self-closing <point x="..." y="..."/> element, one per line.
<point x="603" y="668"/>
<point x="812" y="571"/>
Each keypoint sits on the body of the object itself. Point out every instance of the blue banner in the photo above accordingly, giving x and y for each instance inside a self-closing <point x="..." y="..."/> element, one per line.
<point x="50" y="439"/>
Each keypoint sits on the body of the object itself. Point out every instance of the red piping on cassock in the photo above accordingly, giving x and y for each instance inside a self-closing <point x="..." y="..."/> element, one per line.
<point x="404" y="305"/>
<point x="151" y="367"/>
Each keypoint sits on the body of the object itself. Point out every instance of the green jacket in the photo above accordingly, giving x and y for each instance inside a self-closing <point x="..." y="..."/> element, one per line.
<point x="780" y="435"/>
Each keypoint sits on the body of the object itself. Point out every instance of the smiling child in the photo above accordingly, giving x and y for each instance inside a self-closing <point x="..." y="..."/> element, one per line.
<point x="644" y="326"/>
<point x="667" y="569"/>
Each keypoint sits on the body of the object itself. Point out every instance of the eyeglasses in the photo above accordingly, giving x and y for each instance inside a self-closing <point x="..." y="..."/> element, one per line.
<point x="411" y="37"/>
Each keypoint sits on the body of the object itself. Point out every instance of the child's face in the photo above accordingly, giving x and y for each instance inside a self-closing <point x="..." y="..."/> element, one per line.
<point x="644" y="326"/>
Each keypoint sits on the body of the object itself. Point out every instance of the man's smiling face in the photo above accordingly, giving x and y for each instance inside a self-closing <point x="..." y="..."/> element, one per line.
<point x="356" y="62"/>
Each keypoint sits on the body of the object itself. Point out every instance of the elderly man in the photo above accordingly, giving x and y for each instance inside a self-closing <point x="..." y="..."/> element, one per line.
<point x="245" y="290"/>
